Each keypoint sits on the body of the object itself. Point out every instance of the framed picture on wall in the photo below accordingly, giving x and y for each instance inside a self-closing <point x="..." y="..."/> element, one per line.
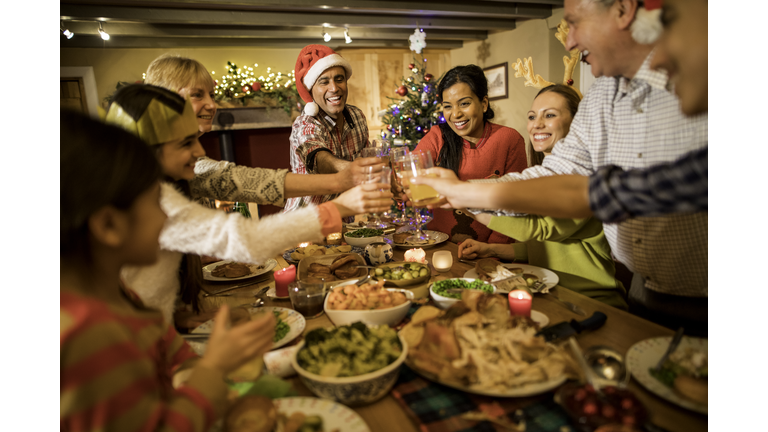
<point x="497" y="81"/>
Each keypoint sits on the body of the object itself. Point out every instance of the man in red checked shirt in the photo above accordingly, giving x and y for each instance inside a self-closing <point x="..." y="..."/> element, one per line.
<point x="327" y="137"/>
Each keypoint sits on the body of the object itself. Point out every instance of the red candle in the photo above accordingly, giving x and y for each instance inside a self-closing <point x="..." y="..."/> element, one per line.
<point x="520" y="303"/>
<point x="282" y="278"/>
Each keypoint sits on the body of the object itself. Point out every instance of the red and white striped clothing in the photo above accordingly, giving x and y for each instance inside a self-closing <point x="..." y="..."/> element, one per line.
<point x="313" y="134"/>
<point x="117" y="362"/>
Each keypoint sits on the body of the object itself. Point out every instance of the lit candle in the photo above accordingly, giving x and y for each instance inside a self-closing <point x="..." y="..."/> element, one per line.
<point x="520" y="303"/>
<point x="305" y="244"/>
<point x="333" y="239"/>
<point x="442" y="260"/>
<point x="416" y="255"/>
<point x="282" y="278"/>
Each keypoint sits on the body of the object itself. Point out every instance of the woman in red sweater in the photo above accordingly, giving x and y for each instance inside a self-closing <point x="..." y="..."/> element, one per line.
<point x="471" y="146"/>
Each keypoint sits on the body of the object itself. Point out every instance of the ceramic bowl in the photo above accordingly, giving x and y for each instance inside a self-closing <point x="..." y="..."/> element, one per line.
<point x="445" y="302"/>
<point x="389" y="316"/>
<point x="400" y="283"/>
<point x="352" y="391"/>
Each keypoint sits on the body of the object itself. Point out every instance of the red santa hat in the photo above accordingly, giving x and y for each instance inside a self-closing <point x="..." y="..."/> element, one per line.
<point x="647" y="28"/>
<point x="312" y="62"/>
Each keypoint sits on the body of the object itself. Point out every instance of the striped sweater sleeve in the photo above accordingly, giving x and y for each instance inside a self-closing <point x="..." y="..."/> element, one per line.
<point x="116" y="373"/>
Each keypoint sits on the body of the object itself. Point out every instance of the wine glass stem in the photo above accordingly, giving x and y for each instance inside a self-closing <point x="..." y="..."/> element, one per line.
<point x="418" y="221"/>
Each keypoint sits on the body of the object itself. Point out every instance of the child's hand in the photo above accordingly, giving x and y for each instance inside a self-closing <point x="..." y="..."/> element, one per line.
<point x="230" y="348"/>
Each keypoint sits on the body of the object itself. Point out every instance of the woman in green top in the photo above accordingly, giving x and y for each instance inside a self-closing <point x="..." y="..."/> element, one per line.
<point x="575" y="249"/>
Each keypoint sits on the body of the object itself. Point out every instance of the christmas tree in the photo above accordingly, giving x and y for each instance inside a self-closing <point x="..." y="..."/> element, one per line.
<point x="409" y="119"/>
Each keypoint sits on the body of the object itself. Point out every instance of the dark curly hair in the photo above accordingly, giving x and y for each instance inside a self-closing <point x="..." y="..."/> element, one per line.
<point x="474" y="77"/>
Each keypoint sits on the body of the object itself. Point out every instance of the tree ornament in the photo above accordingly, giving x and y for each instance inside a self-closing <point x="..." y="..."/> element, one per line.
<point x="410" y="80"/>
<point x="570" y="82"/>
<point x="415" y="70"/>
<point x="411" y="65"/>
<point x="389" y="127"/>
<point x="256" y="86"/>
<point x="402" y="91"/>
<point x="424" y="100"/>
<point x="428" y="77"/>
<point x="418" y="40"/>
<point x="246" y="88"/>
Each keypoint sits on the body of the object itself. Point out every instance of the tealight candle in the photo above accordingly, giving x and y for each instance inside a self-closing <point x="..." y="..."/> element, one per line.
<point x="520" y="303"/>
<point x="333" y="239"/>
<point x="282" y="278"/>
<point x="442" y="260"/>
<point x="416" y="255"/>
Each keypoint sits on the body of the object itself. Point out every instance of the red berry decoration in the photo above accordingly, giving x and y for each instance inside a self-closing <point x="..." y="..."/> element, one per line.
<point x="427" y="77"/>
<point x="402" y="90"/>
<point x="570" y="81"/>
<point x="256" y="86"/>
<point x="411" y="66"/>
<point x="246" y="88"/>
<point x="590" y="408"/>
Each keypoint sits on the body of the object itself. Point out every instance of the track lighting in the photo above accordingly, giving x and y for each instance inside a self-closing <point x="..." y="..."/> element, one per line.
<point x="65" y="31"/>
<point x="346" y="36"/>
<point x="104" y="35"/>
<point x="326" y="36"/>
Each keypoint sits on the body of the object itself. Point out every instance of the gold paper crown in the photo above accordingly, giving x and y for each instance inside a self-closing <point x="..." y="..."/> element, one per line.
<point x="524" y="68"/>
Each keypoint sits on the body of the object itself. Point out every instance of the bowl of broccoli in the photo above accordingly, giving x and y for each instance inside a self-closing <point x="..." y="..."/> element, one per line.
<point x="444" y="299"/>
<point x="354" y="364"/>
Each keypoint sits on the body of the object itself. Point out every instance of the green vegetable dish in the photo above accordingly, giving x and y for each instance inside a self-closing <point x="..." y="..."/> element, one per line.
<point x="350" y="350"/>
<point x="404" y="272"/>
<point x="440" y="286"/>
<point x="365" y="232"/>
<point x="281" y="328"/>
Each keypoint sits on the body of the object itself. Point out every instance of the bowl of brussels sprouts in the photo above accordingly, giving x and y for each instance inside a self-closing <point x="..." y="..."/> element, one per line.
<point x="402" y="274"/>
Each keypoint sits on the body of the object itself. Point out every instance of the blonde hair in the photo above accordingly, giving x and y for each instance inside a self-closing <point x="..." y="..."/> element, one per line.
<point x="175" y="72"/>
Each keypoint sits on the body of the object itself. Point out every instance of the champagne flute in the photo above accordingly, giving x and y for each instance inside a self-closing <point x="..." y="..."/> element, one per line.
<point x="383" y="176"/>
<point x="381" y="151"/>
<point x="416" y="165"/>
<point x="395" y="155"/>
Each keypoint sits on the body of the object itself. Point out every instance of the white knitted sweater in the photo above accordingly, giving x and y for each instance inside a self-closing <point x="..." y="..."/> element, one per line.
<point x="193" y="228"/>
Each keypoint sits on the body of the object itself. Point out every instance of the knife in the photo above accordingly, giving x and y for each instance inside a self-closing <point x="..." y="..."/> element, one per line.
<point x="566" y="329"/>
<point x="216" y="293"/>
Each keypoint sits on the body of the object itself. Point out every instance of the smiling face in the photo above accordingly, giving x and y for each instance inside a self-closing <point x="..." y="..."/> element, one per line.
<point x="178" y="157"/>
<point x="330" y="91"/>
<point x="682" y="52"/>
<point x="591" y="31"/>
<point x="549" y="121"/>
<point x="201" y="97"/>
<point x="463" y="111"/>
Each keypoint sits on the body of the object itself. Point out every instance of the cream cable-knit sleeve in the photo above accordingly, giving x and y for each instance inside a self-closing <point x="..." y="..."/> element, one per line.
<point x="193" y="228"/>
<point x="229" y="182"/>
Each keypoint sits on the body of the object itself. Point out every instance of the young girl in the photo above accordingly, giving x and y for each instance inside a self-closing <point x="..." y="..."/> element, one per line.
<point x="118" y="359"/>
<point x="167" y="123"/>
<point x="471" y="146"/>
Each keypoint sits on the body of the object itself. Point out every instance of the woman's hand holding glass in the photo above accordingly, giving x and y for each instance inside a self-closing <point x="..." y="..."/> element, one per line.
<point x="365" y="198"/>
<point x="446" y="185"/>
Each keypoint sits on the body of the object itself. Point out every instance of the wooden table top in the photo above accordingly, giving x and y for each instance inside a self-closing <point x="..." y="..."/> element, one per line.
<point x="621" y="331"/>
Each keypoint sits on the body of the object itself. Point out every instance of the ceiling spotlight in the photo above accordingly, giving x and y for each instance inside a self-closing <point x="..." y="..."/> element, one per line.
<point x="326" y="36"/>
<point x="104" y="35"/>
<point x="346" y="36"/>
<point x="65" y="31"/>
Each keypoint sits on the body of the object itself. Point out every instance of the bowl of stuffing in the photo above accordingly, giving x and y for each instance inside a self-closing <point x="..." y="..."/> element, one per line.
<point x="354" y="364"/>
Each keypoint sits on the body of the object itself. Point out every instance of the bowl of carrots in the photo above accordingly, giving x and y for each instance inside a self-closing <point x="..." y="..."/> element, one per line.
<point x="370" y="303"/>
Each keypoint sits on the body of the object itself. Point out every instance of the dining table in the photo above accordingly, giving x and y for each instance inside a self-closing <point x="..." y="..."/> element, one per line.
<point x="620" y="332"/>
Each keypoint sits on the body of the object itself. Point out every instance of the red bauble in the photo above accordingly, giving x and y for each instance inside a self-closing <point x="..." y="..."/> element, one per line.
<point x="570" y="81"/>
<point x="411" y="66"/>
<point x="256" y="86"/>
<point x="246" y="88"/>
<point x="427" y="77"/>
<point x="402" y="91"/>
<point x="389" y="127"/>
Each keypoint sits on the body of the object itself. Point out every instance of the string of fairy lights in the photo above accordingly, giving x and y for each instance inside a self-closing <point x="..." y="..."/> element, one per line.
<point x="241" y="82"/>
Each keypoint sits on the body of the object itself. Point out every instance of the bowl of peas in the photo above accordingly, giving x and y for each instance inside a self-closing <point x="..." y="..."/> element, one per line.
<point x="401" y="274"/>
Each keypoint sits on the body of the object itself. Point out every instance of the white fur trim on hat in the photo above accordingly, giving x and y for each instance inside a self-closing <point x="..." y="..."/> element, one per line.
<point x="323" y="64"/>
<point x="646" y="28"/>
<point x="311" y="109"/>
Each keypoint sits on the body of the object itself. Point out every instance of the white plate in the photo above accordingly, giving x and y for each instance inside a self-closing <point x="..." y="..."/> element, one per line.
<point x="549" y="277"/>
<point x="540" y="319"/>
<point x="272" y="293"/>
<point x="522" y="391"/>
<point x="438" y="236"/>
<point x="647" y="353"/>
<point x="335" y="415"/>
<point x="287" y="254"/>
<point x="294" y="319"/>
<point x="255" y="271"/>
